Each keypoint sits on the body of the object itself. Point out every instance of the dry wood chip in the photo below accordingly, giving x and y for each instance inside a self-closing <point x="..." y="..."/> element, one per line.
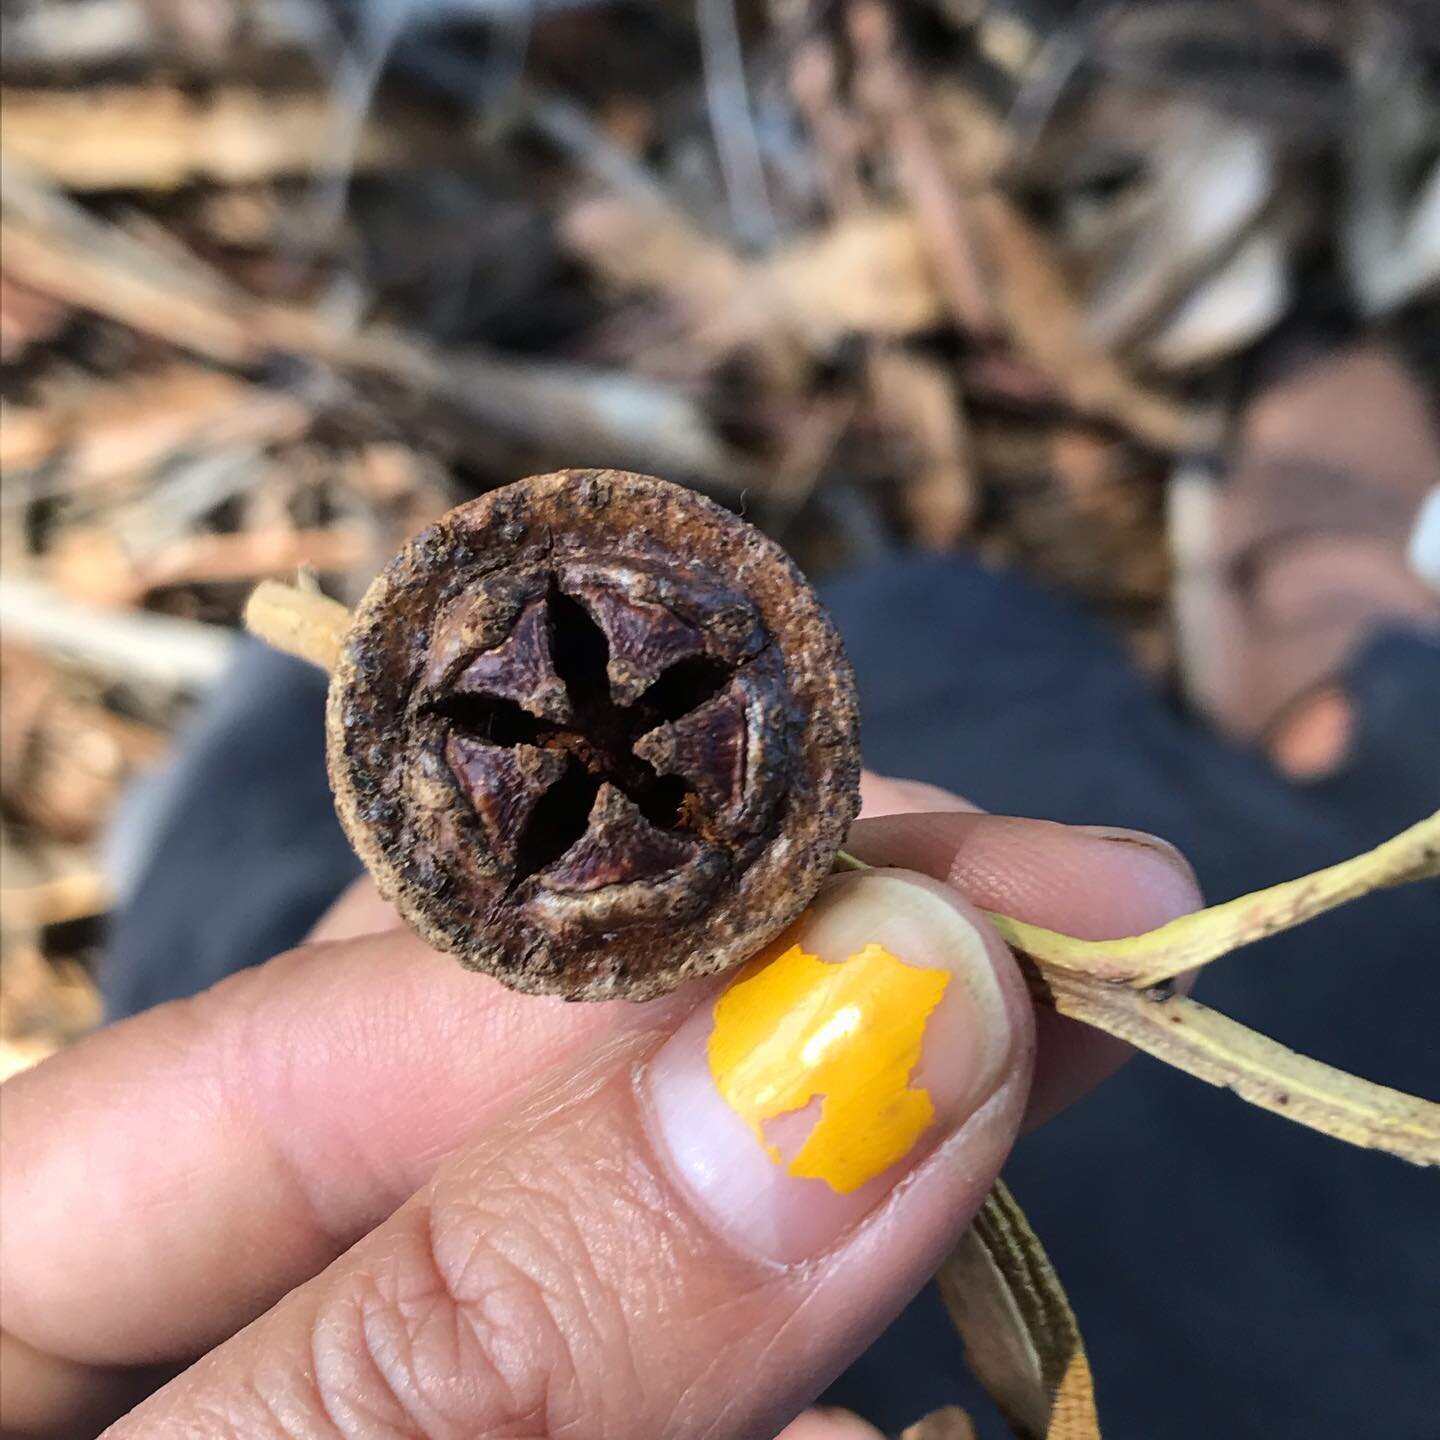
<point x="110" y="432"/>
<point x="159" y="138"/>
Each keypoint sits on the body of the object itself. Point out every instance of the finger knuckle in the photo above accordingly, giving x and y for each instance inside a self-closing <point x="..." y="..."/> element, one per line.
<point x="483" y="1316"/>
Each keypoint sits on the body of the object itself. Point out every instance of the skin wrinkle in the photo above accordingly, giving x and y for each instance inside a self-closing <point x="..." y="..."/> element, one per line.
<point x="721" y="1422"/>
<point x="280" y="1420"/>
<point x="600" y="1306"/>
<point x="368" y="1413"/>
<point x="370" y="1315"/>
<point x="663" y="1271"/>
<point x="551" y="1304"/>
<point x="533" y="1259"/>
<point x="516" y="1344"/>
<point x="751" y="1337"/>
<point x="602" y="1289"/>
<point x="221" y="1425"/>
<point x="649" y="1196"/>
<point x="489" y="1239"/>
<point x="655" y="1273"/>
<point x="389" y="1326"/>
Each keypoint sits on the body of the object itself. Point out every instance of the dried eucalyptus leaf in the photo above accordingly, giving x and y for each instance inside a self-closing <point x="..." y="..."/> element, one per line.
<point x="1020" y="1335"/>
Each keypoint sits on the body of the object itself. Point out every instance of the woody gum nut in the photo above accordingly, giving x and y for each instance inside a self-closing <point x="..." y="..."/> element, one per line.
<point x="594" y="735"/>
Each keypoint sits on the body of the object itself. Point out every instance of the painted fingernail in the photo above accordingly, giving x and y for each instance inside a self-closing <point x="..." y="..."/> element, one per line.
<point x="792" y="1102"/>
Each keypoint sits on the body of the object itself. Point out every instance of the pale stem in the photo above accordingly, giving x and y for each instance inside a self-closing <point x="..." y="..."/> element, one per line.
<point x="1143" y="961"/>
<point x="1217" y="1049"/>
<point x="298" y="620"/>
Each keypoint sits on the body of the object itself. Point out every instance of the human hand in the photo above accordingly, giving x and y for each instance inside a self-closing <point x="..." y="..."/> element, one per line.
<point x="536" y="1217"/>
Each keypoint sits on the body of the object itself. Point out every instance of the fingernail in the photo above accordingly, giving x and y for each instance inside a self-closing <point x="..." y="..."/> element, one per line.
<point x="790" y="1104"/>
<point x="1144" y="841"/>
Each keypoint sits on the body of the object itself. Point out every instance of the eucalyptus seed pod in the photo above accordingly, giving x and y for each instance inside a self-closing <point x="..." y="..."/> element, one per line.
<point x="594" y="735"/>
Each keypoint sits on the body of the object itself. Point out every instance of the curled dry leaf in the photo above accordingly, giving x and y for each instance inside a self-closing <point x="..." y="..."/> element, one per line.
<point x="1048" y="327"/>
<point x="161" y="137"/>
<point x="1020" y="1335"/>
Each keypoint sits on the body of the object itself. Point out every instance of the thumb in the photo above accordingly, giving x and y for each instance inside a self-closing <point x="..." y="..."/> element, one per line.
<point x="693" y="1233"/>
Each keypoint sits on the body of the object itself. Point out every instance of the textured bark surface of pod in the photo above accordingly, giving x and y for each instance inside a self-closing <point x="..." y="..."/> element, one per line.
<point x="594" y="735"/>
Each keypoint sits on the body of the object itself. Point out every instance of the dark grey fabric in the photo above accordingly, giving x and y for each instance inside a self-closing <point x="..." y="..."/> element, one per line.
<point x="1235" y="1275"/>
<point x="234" y="853"/>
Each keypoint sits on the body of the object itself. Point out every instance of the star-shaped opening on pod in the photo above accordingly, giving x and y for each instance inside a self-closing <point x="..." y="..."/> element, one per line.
<point x="537" y="781"/>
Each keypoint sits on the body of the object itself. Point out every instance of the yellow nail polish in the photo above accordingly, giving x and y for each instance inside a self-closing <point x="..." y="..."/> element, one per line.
<point x="787" y="1107"/>
<point x="794" y="1028"/>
